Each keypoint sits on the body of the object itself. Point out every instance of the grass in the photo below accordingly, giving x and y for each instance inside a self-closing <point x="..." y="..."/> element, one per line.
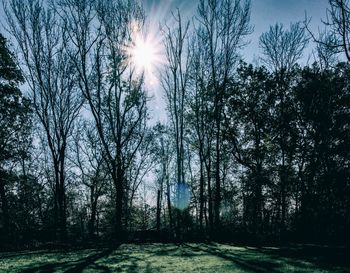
<point x="185" y="258"/>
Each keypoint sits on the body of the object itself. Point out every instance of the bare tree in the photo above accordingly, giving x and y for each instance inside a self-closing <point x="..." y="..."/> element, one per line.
<point x="223" y="25"/>
<point x="336" y="38"/>
<point x="51" y="77"/>
<point x="283" y="48"/>
<point x="200" y="123"/>
<point x="163" y="156"/>
<point x="140" y="167"/>
<point x="175" y="84"/>
<point x="100" y="31"/>
<point x="88" y="159"/>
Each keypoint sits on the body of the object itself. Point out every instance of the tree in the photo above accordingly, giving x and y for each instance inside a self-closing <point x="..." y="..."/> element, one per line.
<point x="15" y="125"/>
<point x="282" y="49"/>
<point x="223" y="25"/>
<point x="248" y="130"/>
<point x="140" y="167"/>
<point x="175" y="84"/>
<point x="99" y="33"/>
<point x="88" y="159"/>
<point x="162" y="152"/>
<point x="51" y="77"/>
<point x="323" y="100"/>
<point x="337" y="38"/>
<point x="198" y="120"/>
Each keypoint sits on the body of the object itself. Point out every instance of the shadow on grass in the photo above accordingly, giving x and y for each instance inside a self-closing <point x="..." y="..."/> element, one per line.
<point x="241" y="260"/>
<point x="322" y="256"/>
<point x="158" y="258"/>
<point x="265" y="259"/>
<point x="27" y="253"/>
<point x="74" y="266"/>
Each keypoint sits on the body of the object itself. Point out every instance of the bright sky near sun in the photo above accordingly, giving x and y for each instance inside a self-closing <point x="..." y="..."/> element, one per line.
<point x="145" y="51"/>
<point x="146" y="55"/>
<point x="264" y="13"/>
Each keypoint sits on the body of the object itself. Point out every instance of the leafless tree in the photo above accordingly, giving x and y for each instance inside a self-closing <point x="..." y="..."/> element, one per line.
<point x="200" y="123"/>
<point x="336" y="38"/>
<point x="88" y="159"/>
<point x="163" y="152"/>
<point x="283" y="48"/>
<point x="99" y="32"/>
<point x="51" y="77"/>
<point x="175" y="84"/>
<point x="140" y="167"/>
<point x="223" y="25"/>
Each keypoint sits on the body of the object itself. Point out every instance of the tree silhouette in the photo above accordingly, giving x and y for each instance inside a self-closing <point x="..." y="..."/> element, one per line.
<point x="15" y="123"/>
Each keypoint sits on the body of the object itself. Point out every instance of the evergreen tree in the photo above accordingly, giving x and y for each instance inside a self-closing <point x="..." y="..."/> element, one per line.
<point x="14" y="127"/>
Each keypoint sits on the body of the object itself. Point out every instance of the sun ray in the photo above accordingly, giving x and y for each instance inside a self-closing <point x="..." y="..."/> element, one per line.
<point x="145" y="54"/>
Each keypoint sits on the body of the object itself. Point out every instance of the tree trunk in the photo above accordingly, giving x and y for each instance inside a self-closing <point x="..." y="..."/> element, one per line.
<point x="5" y="212"/>
<point x="217" y="197"/>
<point x="169" y="205"/>
<point x="210" y="201"/>
<point x="118" y="208"/>
<point x="62" y="202"/>
<point x="257" y="217"/>
<point x="201" y="193"/>
<point x="158" y="210"/>
<point x="92" y="221"/>
<point x="217" y="200"/>
<point x="56" y="204"/>
<point x="283" y="207"/>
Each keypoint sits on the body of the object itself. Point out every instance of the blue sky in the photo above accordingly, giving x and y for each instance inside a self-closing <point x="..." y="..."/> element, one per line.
<point x="264" y="13"/>
<point x="269" y="12"/>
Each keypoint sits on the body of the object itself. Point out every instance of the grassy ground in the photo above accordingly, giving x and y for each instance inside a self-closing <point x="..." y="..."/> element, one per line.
<point x="185" y="258"/>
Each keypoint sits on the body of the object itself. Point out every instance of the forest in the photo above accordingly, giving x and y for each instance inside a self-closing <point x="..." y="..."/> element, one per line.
<point x="247" y="153"/>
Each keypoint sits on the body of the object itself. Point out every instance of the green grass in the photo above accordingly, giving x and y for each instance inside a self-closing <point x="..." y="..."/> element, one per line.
<point x="185" y="258"/>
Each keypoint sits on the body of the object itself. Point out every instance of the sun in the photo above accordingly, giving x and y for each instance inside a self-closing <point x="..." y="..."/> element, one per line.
<point x="145" y="54"/>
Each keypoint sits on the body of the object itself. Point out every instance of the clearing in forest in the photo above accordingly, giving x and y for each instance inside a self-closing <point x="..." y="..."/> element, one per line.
<point x="179" y="258"/>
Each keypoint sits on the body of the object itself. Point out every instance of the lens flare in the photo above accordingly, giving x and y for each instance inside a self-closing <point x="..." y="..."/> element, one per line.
<point x="182" y="195"/>
<point x="145" y="52"/>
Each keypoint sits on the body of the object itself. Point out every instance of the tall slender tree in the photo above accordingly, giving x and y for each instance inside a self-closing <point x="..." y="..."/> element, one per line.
<point x="56" y="99"/>
<point x="175" y="84"/>
<point x="223" y="26"/>
<point x="99" y="33"/>
<point x="282" y="49"/>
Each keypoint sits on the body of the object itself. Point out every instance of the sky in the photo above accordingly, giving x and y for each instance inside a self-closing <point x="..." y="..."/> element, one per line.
<point x="269" y="12"/>
<point x="264" y="13"/>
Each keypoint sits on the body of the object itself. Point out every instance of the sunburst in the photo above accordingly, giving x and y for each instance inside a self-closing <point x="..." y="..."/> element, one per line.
<point x="145" y="54"/>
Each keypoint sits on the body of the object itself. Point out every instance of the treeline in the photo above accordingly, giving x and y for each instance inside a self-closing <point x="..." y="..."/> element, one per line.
<point x="256" y="153"/>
